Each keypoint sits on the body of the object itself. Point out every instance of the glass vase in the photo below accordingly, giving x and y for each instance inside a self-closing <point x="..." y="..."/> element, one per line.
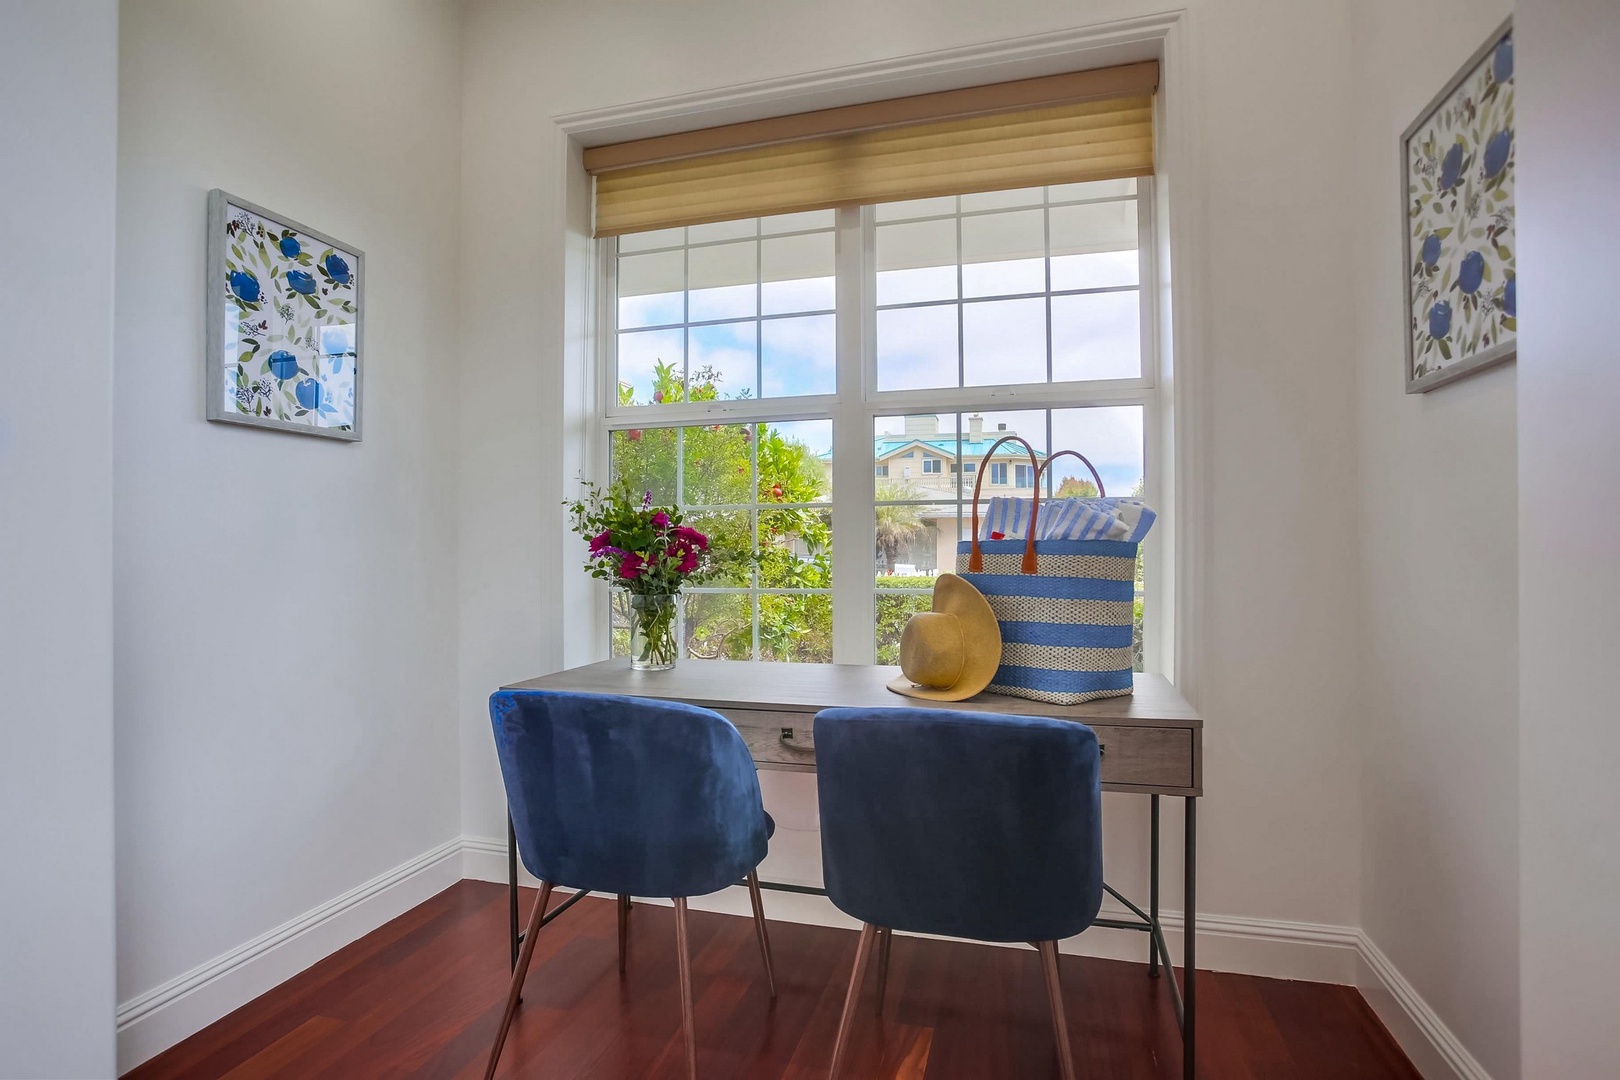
<point x="652" y="631"/>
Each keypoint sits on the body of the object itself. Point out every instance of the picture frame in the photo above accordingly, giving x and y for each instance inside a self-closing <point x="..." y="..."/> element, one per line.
<point x="285" y="342"/>
<point x="1457" y="218"/>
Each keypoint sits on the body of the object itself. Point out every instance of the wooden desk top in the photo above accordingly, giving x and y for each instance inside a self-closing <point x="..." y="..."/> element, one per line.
<point x="809" y="688"/>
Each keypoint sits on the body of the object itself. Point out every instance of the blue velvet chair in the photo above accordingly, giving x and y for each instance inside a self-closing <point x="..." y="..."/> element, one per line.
<point x="959" y="824"/>
<point x="633" y="797"/>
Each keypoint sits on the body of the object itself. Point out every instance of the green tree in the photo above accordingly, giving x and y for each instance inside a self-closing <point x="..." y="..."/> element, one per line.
<point x="897" y="526"/>
<point x="1075" y="488"/>
<point x="781" y="546"/>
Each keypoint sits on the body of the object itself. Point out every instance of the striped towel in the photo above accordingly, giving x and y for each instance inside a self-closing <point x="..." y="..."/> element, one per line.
<point x="1068" y="519"/>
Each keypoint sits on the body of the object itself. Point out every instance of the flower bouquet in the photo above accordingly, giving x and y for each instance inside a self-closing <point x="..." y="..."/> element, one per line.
<point x="646" y="551"/>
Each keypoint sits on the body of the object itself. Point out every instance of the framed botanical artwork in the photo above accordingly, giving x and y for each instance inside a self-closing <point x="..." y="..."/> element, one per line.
<point x="286" y="323"/>
<point x="1457" y="210"/>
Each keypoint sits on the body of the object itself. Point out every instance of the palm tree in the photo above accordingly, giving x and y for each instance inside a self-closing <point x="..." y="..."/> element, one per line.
<point x="897" y="525"/>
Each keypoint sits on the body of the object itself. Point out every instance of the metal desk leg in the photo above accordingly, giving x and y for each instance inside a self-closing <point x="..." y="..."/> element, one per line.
<point x="511" y="886"/>
<point x="1153" y="891"/>
<point x="1189" y="947"/>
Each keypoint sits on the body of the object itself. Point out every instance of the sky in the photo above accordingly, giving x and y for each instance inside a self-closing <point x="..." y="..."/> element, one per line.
<point x="768" y="303"/>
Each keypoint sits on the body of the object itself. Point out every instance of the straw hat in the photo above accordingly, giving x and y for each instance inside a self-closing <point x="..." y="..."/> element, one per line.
<point x="951" y="652"/>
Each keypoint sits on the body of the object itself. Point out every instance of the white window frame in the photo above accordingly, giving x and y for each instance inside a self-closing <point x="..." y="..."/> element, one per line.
<point x="856" y="404"/>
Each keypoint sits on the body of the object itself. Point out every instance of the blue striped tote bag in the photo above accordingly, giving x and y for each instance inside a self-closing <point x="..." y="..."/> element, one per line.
<point x="1065" y="604"/>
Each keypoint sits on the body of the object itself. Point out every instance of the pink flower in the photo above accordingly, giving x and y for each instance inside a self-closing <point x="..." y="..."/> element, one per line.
<point x="660" y="520"/>
<point x="689" y="562"/>
<point x="600" y="541"/>
<point x="632" y="566"/>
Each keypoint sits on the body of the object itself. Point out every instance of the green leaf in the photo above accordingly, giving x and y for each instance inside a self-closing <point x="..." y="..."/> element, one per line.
<point x="1445" y="350"/>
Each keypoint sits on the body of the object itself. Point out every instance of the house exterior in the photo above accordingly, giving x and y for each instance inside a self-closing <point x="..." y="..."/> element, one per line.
<point x="922" y="466"/>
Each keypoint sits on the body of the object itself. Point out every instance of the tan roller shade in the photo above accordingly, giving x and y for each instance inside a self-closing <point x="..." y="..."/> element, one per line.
<point x="1092" y="125"/>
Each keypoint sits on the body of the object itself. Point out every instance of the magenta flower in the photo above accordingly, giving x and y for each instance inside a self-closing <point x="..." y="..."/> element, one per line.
<point x="600" y="541"/>
<point x="632" y="566"/>
<point x="660" y="520"/>
<point x="693" y="537"/>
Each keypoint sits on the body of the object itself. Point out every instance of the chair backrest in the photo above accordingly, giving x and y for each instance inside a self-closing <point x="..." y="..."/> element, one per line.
<point x="961" y="824"/>
<point x="626" y="795"/>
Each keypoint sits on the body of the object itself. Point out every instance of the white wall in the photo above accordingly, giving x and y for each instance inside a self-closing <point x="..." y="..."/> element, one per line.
<point x="1438" y="711"/>
<point x="1278" y="638"/>
<point x="1569" y="534"/>
<point x="286" y="605"/>
<point x="58" y="125"/>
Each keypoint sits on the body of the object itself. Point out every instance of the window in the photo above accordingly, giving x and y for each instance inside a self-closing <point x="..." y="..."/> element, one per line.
<point x="1013" y="312"/>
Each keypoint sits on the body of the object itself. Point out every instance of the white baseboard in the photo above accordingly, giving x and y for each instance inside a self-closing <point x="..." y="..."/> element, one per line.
<point x="1274" y="948"/>
<point x="1432" y="1046"/>
<point x="152" y="1022"/>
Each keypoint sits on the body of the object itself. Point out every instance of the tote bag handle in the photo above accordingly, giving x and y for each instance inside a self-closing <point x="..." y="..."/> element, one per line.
<point x="975" y="556"/>
<point x="1084" y="460"/>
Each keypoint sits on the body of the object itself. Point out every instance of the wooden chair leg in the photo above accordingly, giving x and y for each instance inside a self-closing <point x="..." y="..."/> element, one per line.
<point x="688" y="1023"/>
<point x="518" y="972"/>
<point x="624" y="928"/>
<point x="847" y="1020"/>
<point x="759" y="929"/>
<point x="1054" y="995"/>
<point x="885" y="936"/>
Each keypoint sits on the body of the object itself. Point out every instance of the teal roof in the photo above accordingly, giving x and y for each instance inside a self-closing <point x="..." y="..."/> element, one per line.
<point x="945" y="445"/>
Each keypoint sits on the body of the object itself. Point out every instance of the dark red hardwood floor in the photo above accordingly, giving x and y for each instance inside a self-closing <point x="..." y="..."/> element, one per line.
<point x="422" y="996"/>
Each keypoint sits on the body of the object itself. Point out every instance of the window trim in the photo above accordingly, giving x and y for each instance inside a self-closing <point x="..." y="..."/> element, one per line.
<point x="856" y="403"/>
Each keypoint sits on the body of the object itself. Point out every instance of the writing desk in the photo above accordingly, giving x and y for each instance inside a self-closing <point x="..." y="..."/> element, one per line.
<point x="1151" y="744"/>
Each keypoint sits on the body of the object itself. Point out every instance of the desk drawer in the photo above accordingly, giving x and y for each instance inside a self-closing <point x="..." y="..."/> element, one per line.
<point x="1146" y="756"/>
<point x="762" y="730"/>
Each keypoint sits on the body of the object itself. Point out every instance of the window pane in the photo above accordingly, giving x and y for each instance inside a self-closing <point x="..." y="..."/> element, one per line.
<point x="642" y="355"/>
<point x="719" y="626"/>
<point x="916" y="261"/>
<point x="904" y="446"/>
<point x="795" y="461"/>
<point x="795" y="629"/>
<point x="1110" y="436"/>
<point x="916" y="348"/>
<point x="1094" y="245"/>
<point x="731" y="546"/>
<point x="914" y="540"/>
<point x="916" y="208"/>
<point x="985" y="430"/>
<point x="809" y="219"/>
<point x="717" y="465"/>
<point x="723" y="281"/>
<point x="1097" y="336"/>
<point x="650" y="289"/>
<point x="1004" y="341"/>
<point x="998" y="200"/>
<point x="646" y="459"/>
<point x="795" y="549"/>
<point x="798" y="273"/>
<point x="723" y="360"/>
<point x="647" y="241"/>
<point x="1092" y="189"/>
<point x="800" y="356"/>
<point x="1004" y="253"/>
<point x="722" y="230"/>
